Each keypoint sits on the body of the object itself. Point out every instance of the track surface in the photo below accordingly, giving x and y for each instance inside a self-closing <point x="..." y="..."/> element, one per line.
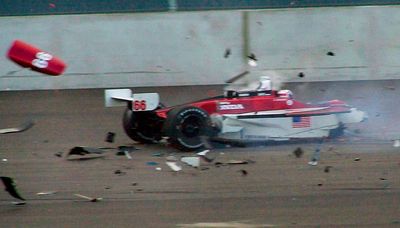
<point x="362" y="187"/>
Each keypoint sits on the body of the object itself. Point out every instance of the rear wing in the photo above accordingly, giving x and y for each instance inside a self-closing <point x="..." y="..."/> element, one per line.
<point x="139" y="101"/>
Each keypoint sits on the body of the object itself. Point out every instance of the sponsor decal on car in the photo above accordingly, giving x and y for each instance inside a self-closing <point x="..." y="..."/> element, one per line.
<point x="255" y="137"/>
<point x="230" y="106"/>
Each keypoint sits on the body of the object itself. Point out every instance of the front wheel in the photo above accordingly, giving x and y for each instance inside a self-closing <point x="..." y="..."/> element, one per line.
<point x="185" y="125"/>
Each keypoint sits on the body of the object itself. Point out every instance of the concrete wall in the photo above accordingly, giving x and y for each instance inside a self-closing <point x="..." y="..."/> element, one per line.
<point x="187" y="48"/>
<point x="364" y="42"/>
<point x="127" y="49"/>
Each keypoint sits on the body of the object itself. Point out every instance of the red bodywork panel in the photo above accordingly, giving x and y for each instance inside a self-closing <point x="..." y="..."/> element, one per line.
<point x="27" y="55"/>
<point x="259" y="103"/>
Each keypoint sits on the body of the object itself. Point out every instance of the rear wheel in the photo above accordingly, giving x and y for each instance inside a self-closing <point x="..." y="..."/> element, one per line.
<point x="185" y="125"/>
<point x="144" y="127"/>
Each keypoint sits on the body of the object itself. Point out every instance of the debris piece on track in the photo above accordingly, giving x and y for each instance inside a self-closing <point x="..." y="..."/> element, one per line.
<point x="46" y="193"/>
<point x="110" y="137"/>
<point x="191" y="161"/>
<point x="119" y="172"/>
<point x="244" y="172"/>
<point x="58" y="154"/>
<point x="81" y="150"/>
<point x="152" y="163"/>
<point x="298" y="152"/>
<point x="11" y="187"/>
<point x="174" y="166"/>
<point x="327" y="169"/>
<point x="25" y="126"/>
<point x="89" y="198"/>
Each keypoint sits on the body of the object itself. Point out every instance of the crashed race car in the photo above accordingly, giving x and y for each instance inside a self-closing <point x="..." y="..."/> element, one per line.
<point x="236" y="116"/>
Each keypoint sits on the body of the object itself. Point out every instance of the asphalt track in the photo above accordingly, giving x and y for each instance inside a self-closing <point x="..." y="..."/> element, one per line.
<point x="359" y="189"/>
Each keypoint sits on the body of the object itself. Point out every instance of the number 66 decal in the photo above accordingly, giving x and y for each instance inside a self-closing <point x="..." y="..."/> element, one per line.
<point x="139" y="105"/>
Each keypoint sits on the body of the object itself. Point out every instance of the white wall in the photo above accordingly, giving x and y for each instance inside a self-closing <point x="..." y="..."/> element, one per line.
<point x="365" y="42"/>
<point x="187" y="48"/>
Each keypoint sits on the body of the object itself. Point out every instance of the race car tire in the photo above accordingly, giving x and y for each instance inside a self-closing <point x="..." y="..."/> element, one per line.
<point x="144" y="127"/>
<point x="184" y="127"/>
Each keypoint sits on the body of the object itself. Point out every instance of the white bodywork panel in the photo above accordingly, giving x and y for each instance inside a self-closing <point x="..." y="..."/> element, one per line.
<point x="140" y="101"/>
<point x="264" y="127"/>
<point x="354" y="116"/>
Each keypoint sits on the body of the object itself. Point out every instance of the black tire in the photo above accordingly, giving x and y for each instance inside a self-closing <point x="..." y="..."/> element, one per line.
<point x="144" y="127"/>
<point x="185" y="125"/>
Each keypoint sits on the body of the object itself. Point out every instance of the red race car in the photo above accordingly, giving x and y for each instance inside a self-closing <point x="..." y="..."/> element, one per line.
<point x="236" y="116"/>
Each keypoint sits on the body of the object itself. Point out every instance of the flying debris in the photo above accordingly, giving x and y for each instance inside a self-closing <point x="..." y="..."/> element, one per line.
<point x="89" y="198"/>
<point x="26" y="55"/>
<point x="227" y="53"/>
<point x="329" y="53"/>
<point x="119" y="172"/>
<point x="237" y="77"/>
<point x="252" y="60"/>
<point x="25" y="126"/>
<point x="11" y="188"/>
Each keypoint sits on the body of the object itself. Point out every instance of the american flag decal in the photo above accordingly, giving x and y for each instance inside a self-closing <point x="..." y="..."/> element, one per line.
<point x="301" y="121"/>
